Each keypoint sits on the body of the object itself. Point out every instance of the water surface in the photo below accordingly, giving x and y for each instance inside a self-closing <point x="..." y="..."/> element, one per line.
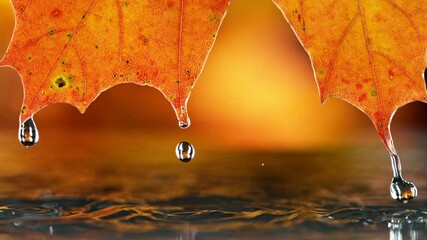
<point x="91" y="190"/>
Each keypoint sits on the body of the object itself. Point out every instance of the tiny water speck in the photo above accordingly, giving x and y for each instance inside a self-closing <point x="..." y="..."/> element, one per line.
<point x="185" y="151"/>
<point x="28" y="133"/>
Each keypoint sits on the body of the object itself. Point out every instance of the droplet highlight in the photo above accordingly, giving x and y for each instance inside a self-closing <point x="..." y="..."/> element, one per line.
<point x="425" y="75"/>
<point x="185" y="151"/>
<point x="28" y="133"/>
<point x="400" y="189"/>
<point x="184" y="124"/>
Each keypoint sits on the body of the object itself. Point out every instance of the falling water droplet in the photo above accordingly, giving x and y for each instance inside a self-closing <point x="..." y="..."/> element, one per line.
<point x="400" y="189"/>
<point x="184" y="124"/>
<point x="185" y="151"/>
<point x="28" y="133"/>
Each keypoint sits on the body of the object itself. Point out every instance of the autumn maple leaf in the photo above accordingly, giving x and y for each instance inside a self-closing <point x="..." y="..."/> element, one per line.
<point x="71" y="51"/>
<point x="369" y="53"/>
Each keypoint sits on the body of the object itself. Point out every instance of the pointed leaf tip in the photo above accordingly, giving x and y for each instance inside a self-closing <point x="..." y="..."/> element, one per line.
<point x="354" y="55"/>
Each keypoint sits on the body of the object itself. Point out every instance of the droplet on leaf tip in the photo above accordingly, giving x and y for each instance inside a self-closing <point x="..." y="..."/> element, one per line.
<point x="185" y="151"/>
<point x="184" y="124"/>
<point x="28" y="133"/>
<point x="400" y="189"/>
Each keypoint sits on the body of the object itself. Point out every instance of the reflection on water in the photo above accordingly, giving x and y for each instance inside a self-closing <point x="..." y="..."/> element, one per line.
<point x="189" y="233"/>
<point x="100" y="219"/>
<point x="99" y="191"/>
<point x="406" y="230"/>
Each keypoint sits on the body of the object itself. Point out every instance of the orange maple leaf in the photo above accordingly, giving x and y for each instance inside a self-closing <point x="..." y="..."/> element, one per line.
<point x="71" y="51"/>
<point x="369" y="53"/>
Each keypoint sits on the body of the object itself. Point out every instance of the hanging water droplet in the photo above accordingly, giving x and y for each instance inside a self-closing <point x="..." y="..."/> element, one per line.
<point x="400" y="189"/>
<point x="184" y="124"/>
<point x="185" y="151"/>
<point x="28" y="133"/>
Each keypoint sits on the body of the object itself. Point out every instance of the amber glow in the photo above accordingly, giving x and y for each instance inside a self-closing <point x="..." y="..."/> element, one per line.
<point x="271" y="162"/>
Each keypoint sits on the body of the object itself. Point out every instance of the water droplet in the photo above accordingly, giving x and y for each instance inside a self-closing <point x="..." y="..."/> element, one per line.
<point x="28" y="133"/>
<point x="400" y="189"/>
<point x="184" y="124"/>
<point x="185" y="151"/>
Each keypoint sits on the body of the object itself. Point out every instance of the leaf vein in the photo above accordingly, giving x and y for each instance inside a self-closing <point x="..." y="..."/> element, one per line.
<point x="31" y="103"/>
<point x="335" y="54"/>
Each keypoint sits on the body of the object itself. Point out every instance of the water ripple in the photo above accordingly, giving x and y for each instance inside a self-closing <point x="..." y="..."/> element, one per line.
<point x="179" y="210"/>
<point x="68" y="216"/>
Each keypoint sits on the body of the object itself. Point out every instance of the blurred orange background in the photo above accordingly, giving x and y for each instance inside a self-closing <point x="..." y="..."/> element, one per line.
<point x="257" y="92"/>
